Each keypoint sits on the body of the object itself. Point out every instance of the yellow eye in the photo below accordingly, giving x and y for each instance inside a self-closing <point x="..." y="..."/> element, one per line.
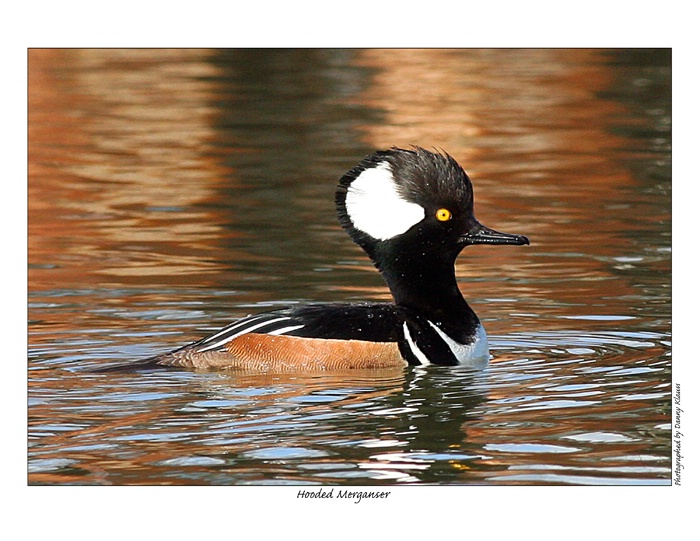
<point x="443" y="215"/>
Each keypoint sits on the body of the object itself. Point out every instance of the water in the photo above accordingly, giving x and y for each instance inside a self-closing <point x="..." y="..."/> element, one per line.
<point x="173" y="191"/>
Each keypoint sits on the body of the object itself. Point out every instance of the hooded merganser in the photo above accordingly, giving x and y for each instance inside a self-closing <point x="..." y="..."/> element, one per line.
<point x="412" y="212"/>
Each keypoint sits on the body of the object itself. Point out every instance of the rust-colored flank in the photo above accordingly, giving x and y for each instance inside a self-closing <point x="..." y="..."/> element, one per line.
<point x="270" y="352"/>
<point x="277" y="353"/>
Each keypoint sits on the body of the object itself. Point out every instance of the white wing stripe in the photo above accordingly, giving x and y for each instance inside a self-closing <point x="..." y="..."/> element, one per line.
<point x="244" y="331"/>
<point x="229" y="328"/>
<point x="284" y="330"/>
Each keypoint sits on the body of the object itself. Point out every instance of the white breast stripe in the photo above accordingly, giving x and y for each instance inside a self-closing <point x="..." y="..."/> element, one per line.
<point x="422" y="359"/>
<point x="244" y="331"/>
<point x="474" y="354"/>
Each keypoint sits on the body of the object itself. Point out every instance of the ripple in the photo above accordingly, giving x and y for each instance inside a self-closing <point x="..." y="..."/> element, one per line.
<point x="284" y="453"/>
<point x="597" y="437"/>
<point x="192" y="461"/>
<point x="569" y="479"/>
<point x="599" y="317"/>
<point x="580" y="339"/>
<point x="530" y="448"/>
<point x="49" y="464"/>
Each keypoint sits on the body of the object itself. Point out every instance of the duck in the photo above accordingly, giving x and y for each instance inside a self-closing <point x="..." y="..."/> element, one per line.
<point x="412" y="212"/>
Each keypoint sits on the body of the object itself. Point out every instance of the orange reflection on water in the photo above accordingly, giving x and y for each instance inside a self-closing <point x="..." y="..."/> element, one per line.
<point x="117" y="142"/>
<point x="154" y="428"/>
<point x="476" y="101"/>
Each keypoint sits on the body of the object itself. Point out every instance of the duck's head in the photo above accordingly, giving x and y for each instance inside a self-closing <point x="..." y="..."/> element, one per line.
<point x="412" y="204"/>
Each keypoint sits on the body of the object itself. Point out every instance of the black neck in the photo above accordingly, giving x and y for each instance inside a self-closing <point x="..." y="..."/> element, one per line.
<point x="426" y="283"/>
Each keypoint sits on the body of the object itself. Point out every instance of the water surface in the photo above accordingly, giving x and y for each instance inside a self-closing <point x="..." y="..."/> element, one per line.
<point x="172" y="191"/>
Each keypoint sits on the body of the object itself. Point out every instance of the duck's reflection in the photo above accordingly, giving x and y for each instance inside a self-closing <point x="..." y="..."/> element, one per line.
<point x="412" y="421"/>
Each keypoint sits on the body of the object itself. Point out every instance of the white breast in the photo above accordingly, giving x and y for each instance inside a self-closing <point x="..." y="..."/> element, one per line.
<point x="475" y="354"/>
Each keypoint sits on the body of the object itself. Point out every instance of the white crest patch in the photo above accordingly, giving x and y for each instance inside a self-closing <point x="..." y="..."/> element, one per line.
<point x="375" y="206"/>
